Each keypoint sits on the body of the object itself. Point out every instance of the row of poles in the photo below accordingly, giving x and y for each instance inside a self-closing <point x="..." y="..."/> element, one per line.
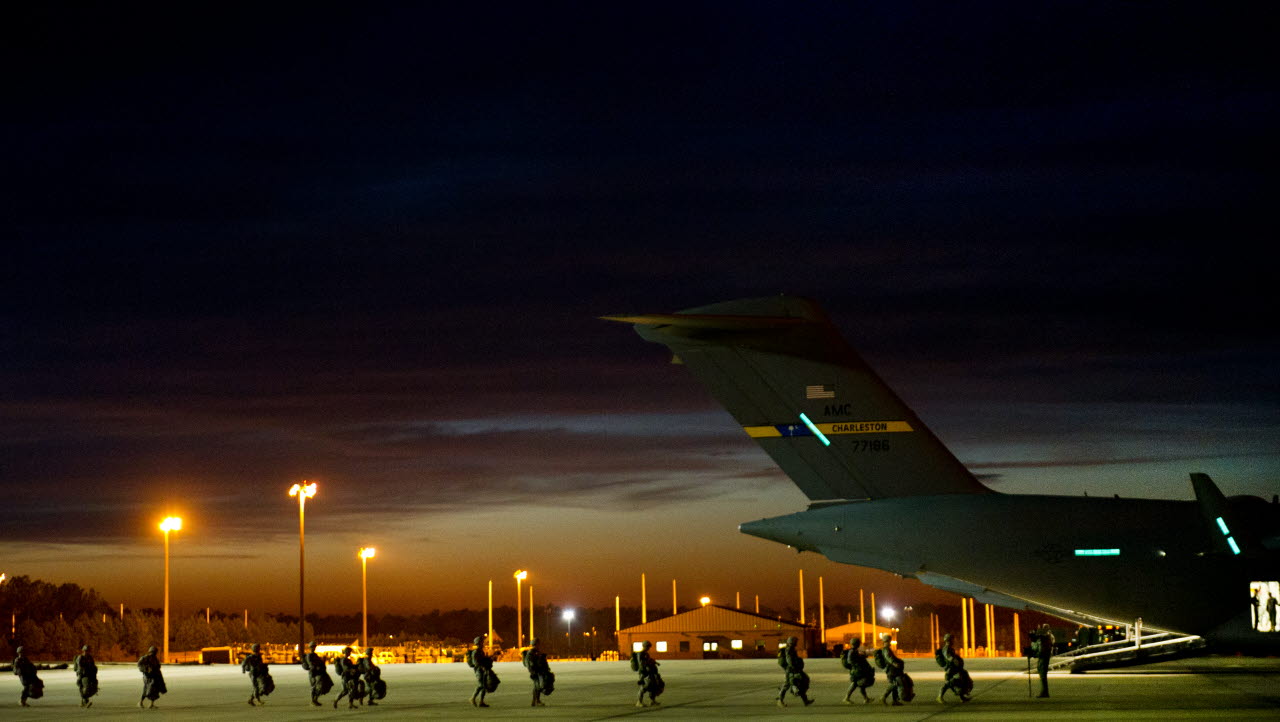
<point x="305" y="490"/>
<point x="302" y="491"/>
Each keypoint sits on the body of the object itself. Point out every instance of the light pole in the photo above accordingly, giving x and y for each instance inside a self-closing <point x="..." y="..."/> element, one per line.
<point x="303" y="491"/>
<point x="171" y="523"/>
<point x="520" y="575"/>
<point x="365" y="554"/>
<point x="568" y="620"/>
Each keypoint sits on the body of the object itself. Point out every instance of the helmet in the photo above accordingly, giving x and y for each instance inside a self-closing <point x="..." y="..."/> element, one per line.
<point x="885" y="636"/>
<point x="647" y="644"/>
<point x="346" y="651"/>
<point x="368" y="652"/>
<point x="792" y="641"/>
<point x="533" y="642"/>
<point x="478" y="641"/>
<point x="313" y="646"/>
<point x="152" y="649"/>
<point x="255" y="646"/>
<point x="85" y="648"/>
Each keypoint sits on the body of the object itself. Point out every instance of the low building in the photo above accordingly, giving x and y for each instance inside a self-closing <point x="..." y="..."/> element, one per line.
<point x="715" y="632"/>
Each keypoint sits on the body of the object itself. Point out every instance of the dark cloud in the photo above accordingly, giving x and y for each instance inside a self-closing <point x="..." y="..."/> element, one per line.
<point x="368" y="245"/>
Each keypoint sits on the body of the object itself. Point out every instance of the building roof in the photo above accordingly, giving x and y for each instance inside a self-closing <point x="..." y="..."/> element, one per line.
<point x="714" y="618"/>
<point x="853" y="629"/>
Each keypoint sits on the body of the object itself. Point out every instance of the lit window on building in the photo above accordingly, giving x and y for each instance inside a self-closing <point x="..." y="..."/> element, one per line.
<point x="662" y="646"/>
<point x="736" y="644"/>
<point x="637" y="646"/>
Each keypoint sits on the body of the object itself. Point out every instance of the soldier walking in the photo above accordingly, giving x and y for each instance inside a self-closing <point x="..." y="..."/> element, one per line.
<point x="861" y="674"/>
<point x="352" y="686"/>
<point x="152" y="679"/>
<point x="535" y="660"/>
<point x="650" y="680"/>
<point x="32" y="685"/>
<point x="900" y="685"/>
<point x="482" y="665"/>
<point x="374" y="688"/>
<point x="317" y="674"/>
<point x="954" y="676"/>
<point x="259" y="675"/>
<point x="86" y="675"/>
<point x="797" y="680"/>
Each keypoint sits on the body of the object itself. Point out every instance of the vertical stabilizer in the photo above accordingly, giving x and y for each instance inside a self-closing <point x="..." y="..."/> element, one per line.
<point x="783" y="371"/>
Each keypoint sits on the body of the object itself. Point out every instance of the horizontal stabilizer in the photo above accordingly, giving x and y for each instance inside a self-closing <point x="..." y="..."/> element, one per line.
<point x="782" y="370"/>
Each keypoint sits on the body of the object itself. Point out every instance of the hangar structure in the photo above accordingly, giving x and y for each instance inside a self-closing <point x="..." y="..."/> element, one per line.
<point x="716" y="632"/>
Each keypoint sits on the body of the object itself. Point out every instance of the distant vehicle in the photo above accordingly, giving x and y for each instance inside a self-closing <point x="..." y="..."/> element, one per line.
<point x="885" y="493"/>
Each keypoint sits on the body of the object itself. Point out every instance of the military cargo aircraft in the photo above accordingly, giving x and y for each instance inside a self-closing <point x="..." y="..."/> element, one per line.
<point x="886" y="493"/>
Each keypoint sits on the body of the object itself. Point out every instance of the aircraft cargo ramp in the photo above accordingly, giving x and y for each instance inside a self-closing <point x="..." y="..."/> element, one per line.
<point x="1143" y="649"/>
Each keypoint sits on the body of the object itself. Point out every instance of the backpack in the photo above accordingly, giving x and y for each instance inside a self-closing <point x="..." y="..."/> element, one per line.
<point x="940" y="658"/>
<point x="471" y="659"/>
<point x="846" y="659"/>
<point x="635" y="662"/>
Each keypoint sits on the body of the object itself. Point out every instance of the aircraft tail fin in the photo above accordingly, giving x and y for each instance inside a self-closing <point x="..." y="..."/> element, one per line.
<point x="782" y="370"/>
<point x="1224" y="529"/>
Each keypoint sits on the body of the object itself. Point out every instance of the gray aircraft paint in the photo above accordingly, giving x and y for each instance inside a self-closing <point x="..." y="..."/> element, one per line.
<point x="887" y="493"/>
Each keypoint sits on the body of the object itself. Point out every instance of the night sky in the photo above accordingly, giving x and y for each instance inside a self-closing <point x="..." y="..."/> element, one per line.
<point x="367" y="245"/>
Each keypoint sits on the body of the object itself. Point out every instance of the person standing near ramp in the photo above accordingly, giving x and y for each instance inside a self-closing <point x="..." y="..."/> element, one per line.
<point x="1042" y="649"/>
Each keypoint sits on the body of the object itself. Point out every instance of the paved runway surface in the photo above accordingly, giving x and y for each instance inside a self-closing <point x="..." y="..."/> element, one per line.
<point x="1207" y="688"/>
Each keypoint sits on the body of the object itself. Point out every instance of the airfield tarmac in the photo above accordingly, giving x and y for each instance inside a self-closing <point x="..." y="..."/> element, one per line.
<point x="1205" y="688"/>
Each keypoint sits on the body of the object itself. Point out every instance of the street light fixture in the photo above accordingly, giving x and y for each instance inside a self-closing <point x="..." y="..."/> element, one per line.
<point x="303" y="491"/>
<point x="704" y="601"/>
<point x="171" y="523"/>
<point x="568" y="620"/>
<point x="366" y="553"/>
<point x="520" y="576"/>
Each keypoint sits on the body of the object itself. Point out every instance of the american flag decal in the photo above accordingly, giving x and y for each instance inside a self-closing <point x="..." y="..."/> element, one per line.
<point x="819" y="392"/>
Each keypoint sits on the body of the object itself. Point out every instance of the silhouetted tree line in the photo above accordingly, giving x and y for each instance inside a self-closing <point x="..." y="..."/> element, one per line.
<point x="52" y="622"/>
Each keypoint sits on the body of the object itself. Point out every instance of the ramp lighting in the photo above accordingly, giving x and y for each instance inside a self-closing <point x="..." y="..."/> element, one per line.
<point x="821" y="437"/>
<point x="887" y="613"/>
<point x="705" y="601"/>
<point x="1097" y="552"/>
